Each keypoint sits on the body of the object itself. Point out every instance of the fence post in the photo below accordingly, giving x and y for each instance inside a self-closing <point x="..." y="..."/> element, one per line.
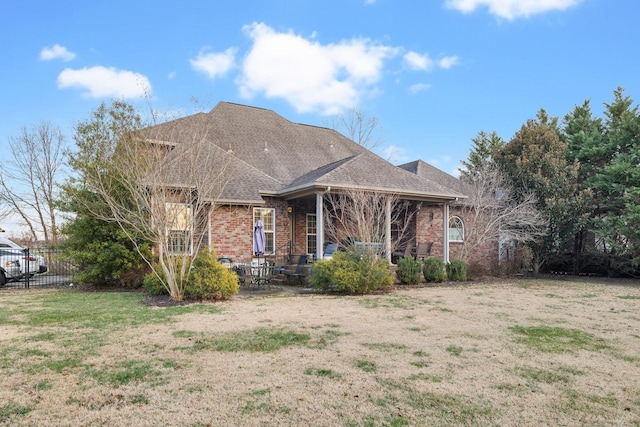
<point x="28" y="268"/>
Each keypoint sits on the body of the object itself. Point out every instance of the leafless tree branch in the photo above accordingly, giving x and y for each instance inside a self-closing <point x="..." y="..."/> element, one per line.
<point x="29" y="179"/>
<point x="354" y="215"/>
<point x="495" y="214"/>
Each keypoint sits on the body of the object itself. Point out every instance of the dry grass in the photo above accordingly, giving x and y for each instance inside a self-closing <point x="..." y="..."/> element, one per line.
<point x="527" y="352"/>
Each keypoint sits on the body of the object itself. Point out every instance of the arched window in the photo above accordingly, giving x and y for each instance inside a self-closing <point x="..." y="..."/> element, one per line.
<point x="456" y="229"/>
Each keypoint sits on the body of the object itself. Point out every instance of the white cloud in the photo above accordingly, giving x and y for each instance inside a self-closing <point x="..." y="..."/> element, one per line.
<point x="423" y="62"/>
<point x="214" y="64"/>
<point x="512" y="9"/>
<point x="417" y="61"/>
<point x="56" y="52"/>
<point x="419" y="87"/>
<point x="101" y="82"/>
<point x="309" y="75"/>
<point x="448" y="62"/>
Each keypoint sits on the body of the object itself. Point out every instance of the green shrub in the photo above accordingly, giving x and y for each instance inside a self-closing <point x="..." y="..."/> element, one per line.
<point x="457" y="270"/>
<point x="433" y="270"/>
<point x="103" y="253"/>
<point x="409" y="270"/>
<point x="209" y="279"/>
<point x="152" y="284"/>
<point x="351" y="272"/>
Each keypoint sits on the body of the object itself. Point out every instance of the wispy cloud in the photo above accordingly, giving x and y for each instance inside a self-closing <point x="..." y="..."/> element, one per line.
<point x="448" y="62"/>
<point x="423" y="62"/>
<point x="56" y="52"/>
<point x="99" y="82"/>
<point x="214" y="64"/>
<point x="417" y="61"/>
<point x="311" y="76"/>
<point x="419" y="87"/>
<point x="512" y="9"/>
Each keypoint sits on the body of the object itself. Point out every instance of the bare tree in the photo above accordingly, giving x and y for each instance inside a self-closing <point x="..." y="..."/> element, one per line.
<point x="359" y="127"/>
<point x="159" y="184"/>
<point x="29" y="180"/>
<point x="495" y="213"/>
<point x="354" y="215"/>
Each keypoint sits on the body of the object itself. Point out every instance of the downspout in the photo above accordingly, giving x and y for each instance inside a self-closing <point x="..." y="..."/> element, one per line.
<point x="209" y="228"/>
<point x="387" y="230"/>
<point x="319" y="224"/>
<point x="445" y="234"/>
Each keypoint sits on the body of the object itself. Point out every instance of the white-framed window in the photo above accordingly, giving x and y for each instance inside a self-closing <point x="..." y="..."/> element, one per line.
<point x="456" y="229"/>
<point x="268" y="218"/>
<point x="178" y="228"/>
<point x="312" y="239"/>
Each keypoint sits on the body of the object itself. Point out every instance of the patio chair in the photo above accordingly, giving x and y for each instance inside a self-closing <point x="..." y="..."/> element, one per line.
<point x="263" y="275"/>
<point x="408" y="250"/>
<point x="423" y="251"/>
<point x="330" y="250"/>
<point x="244" y="275"/>
<point x="297" y="270"/>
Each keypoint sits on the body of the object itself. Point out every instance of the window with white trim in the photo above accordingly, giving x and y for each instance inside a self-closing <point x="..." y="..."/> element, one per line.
<point x="312" y="240"/>
<point x="178" y="228"/>
<point x="268" y="218"/>
<point x="456" y="229"/>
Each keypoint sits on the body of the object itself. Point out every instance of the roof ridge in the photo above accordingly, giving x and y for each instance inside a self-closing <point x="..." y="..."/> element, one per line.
<point x="245" y="105"/>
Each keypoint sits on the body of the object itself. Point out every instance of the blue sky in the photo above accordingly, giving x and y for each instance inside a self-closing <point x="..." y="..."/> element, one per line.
<point x="434" y="72"/>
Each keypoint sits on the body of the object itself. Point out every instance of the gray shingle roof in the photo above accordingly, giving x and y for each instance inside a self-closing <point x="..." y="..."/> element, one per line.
<point x="271" y="155"/>
<point x="434" y="174"/>
<point x="368" y="171"/>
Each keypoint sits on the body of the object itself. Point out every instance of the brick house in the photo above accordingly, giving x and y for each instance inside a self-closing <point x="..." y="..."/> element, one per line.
<point x="280" y="173"/>
<point x="487" y="254"/>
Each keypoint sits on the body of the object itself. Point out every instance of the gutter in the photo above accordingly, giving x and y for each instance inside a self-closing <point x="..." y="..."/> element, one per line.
<point x="311" y="188"/>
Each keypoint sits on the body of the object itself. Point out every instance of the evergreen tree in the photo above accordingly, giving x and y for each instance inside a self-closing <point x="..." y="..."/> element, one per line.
<point x="535" y="161"/>
<point x="616" y="185"/>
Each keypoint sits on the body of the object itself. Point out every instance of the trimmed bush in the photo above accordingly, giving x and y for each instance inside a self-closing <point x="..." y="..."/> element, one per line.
<point x="351" y="272"/>
<point x="209" y="279"/>
<point x="433" y="270"/>
<point x="457" y="270"/>
<point x="408" y="271"/>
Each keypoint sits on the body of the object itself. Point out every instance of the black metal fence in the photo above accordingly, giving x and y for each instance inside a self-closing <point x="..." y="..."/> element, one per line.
<point x="53" y="269"/>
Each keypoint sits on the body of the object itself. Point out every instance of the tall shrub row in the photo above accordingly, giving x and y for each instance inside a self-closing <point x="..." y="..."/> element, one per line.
<point x="433" y="269"/>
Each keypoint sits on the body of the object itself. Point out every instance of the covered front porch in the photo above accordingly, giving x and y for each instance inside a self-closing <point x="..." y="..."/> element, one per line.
<point x="311" y="226"/>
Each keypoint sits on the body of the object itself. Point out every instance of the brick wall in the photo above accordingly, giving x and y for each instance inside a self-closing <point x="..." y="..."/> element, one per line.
<point x="430" y="229"/>
<point x="232" y="230"/>
<point x="485" y="255"/>
<point x="300" y="209"/>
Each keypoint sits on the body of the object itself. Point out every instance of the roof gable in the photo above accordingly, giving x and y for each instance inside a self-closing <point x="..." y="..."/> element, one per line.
<point x="434" y="174"/>
<point x="368" y="171"/>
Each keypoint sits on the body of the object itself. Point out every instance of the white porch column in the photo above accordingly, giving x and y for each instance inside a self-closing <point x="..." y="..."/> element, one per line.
<point x="319" y="225"/>
<point x="387" y="230"/>
<point x="445" y="240"/>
